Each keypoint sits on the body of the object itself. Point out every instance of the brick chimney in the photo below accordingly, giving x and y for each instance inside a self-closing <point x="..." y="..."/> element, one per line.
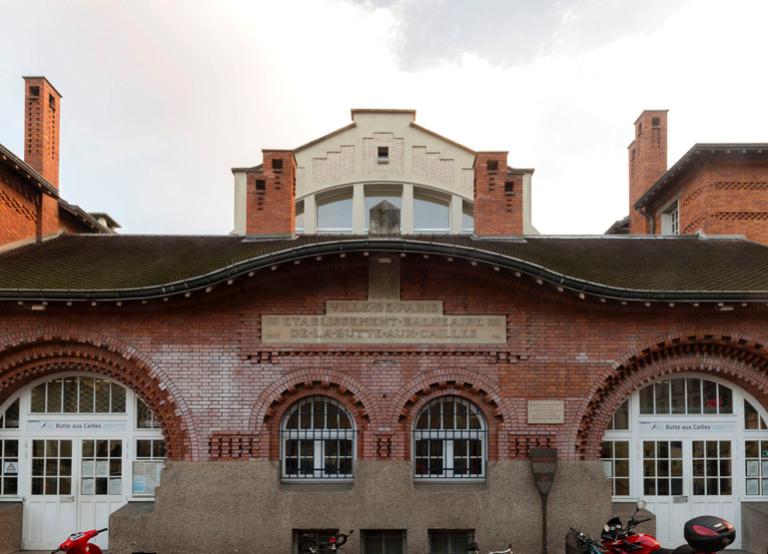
<point x="271" y="195"/>
<point x="498" y="196"/>
<point x="647" y="162"/>
<point x="42" y="116"/>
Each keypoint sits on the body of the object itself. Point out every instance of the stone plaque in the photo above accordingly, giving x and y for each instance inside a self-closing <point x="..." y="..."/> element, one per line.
<point x="546" y="411"/>
<point x="383" y="322"/>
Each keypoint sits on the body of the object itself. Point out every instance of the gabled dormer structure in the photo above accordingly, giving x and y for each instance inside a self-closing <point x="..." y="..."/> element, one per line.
<point x="330" y="184"/>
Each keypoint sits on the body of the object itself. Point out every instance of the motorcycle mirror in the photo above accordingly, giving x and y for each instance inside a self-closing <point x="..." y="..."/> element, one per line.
<point x="606" y="528"/>
<point x="641" y="504"/>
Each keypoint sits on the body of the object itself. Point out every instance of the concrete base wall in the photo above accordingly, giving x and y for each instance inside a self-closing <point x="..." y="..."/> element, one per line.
<point x="11" y="514"/>
<point x="754" y="527"/>
<point x="244" y="506"/>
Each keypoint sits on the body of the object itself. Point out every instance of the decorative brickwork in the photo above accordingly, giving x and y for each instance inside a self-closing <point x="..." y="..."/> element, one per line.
<point x="740" y="360"/>
<point x="233" y="446"/>
<point x="498" y="197"/>
<point x="270" y="196"/>
<point x="520" y="445"/>
<point x="25" y="359"/>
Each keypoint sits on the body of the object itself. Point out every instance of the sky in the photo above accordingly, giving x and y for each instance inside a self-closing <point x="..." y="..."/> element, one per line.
<point x="162" y="98"/>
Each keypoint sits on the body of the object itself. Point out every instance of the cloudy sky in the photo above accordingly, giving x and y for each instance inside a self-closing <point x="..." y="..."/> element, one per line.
<point x="161" y="98"/>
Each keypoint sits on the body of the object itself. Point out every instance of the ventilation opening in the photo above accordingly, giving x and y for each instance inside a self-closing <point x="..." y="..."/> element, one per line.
<point x="261" y="185"/>
<point x="34" y="91"/>
<point x="52" y="101"/>
<point x="509" y="187"/>
<point x="492" y="165"/>
<point x="277" y="165"/>
<point x="656" y="122"/>
<point x="383" y="154"/>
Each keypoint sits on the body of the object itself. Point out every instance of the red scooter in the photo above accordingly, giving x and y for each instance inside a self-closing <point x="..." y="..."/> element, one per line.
<point x="704" y="534"/>
<point x="77" y="543"/>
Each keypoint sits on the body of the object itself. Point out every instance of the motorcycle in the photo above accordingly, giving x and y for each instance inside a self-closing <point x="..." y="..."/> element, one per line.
<point x="334" y="542"/>
<point x="78" y="543"/>
<point x="704" y="534"/>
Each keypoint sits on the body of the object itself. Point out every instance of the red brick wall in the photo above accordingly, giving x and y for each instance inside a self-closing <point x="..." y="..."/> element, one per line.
<point x="647" y="162"/>
<point x="498" y="197"/>
<point x="229" y="390"/>
<point x="18" y="211"/>
<point x="271" y="210"/>
<point x="722" y="194"/>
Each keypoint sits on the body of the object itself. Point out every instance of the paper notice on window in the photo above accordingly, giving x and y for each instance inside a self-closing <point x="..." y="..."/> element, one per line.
<point x="752" y="487"/>
<point x="87" y="486"/>
<point x="116" y="487"/>
<point x="139" y="484"/>
<point x="88" y="468"/>
<point x="146" y="476"/>
<point x="753" y="468"/>
<point x="102" y="468"/>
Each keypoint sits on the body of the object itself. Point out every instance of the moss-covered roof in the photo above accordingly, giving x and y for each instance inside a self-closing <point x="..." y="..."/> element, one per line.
<point x="132" y="267"/>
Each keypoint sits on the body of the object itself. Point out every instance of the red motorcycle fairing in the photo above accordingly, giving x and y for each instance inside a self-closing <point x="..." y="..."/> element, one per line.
<point x="641" y="543"/>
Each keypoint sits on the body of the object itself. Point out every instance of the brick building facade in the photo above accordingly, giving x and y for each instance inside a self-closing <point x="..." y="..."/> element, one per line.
<point x="312" y="372"/>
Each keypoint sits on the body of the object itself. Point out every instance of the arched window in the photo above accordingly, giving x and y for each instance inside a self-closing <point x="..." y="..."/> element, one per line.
<point x="449" y="440"/>
<point x="334" y="211"/>
<point x="318" y="440"/>
<point x="431" y="212"/>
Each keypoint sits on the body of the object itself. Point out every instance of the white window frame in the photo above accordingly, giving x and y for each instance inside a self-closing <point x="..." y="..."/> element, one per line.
<point x="319" y="438"/>
<point x="448" y="436"/>
<point x="670" y="218"/>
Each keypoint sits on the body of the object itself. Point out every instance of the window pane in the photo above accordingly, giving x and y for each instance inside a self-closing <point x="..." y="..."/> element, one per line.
<point x="678" y="396"/>
<point x="725" y="399"/>
<point x="467" y="218"/>
<point x="11" y="417"/>
<point x="86" y="394"/>
<point x="38" y="399"/>
<point x="334" y="211"/>
<point x="694" y="396"/>
<point x="621" y="417"/>
<point x="118" y="399"/>
<point x="54" y="396"/>
<point x="70" y="395"/>
<point x="662" y="397"/>
<point x="430" y="212"/>
<point x="375" y="195"/>
<point x="710" y="397"/>
<point x="646" y="400"/>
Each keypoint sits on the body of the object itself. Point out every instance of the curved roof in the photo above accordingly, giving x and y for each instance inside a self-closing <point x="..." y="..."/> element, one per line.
<point x="115" y="267"/>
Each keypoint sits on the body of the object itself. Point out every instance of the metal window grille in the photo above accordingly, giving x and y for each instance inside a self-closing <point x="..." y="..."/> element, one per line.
<point x="450" y="441"/>
<point x="318" y="441"/>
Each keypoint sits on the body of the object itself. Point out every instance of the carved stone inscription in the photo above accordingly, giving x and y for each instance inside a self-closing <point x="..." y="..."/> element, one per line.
<point x="546" y="411"/>
<point x="384" y="322"/>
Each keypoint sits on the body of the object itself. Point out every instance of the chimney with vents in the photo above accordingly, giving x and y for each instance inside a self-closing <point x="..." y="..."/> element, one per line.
<point x="500" y="210"/>
<point x="271" y="195"/>
<point x="42" y="116"/>
<point x="647" y="162"/>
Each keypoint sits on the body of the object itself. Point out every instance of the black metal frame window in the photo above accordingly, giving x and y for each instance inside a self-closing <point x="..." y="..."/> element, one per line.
<point x="383" y="542"/>
<point x="317" y="440"/>
<point x="449" y="541"/>
<point x="449" y="440"/>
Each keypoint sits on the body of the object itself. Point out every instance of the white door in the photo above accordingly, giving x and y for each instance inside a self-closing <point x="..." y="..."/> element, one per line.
<point x="74" y="485"/>
<point x="50" y="509"/>
<point x="685" y="478"/>
<point x="101" y="484"/>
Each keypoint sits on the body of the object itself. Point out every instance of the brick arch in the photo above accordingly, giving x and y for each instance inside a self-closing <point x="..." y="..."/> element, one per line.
<point x="24" y="359"/>
<point x="742" y="361"/>
<point x="474" y="387"/>
<point x="275" y="400"/>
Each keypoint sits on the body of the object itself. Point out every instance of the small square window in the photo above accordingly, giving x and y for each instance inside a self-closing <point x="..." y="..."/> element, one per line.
<point x="52" y="101"/>
<point x="493" y="165"/>
<point x="383" y="154"/>
<point x="509" y="187"/>
<point x="277" y="164"/>
<point x="34" y="91"/>
<point x="655" y="122"/>
<point x="261" y="184"/>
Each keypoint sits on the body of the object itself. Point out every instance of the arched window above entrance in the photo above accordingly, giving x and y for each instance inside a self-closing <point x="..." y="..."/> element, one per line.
<point x="686" y="395"/>
<point x="78" y="395"/>
<point x="317" y="440"/>
<point x="449" y="440"/>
